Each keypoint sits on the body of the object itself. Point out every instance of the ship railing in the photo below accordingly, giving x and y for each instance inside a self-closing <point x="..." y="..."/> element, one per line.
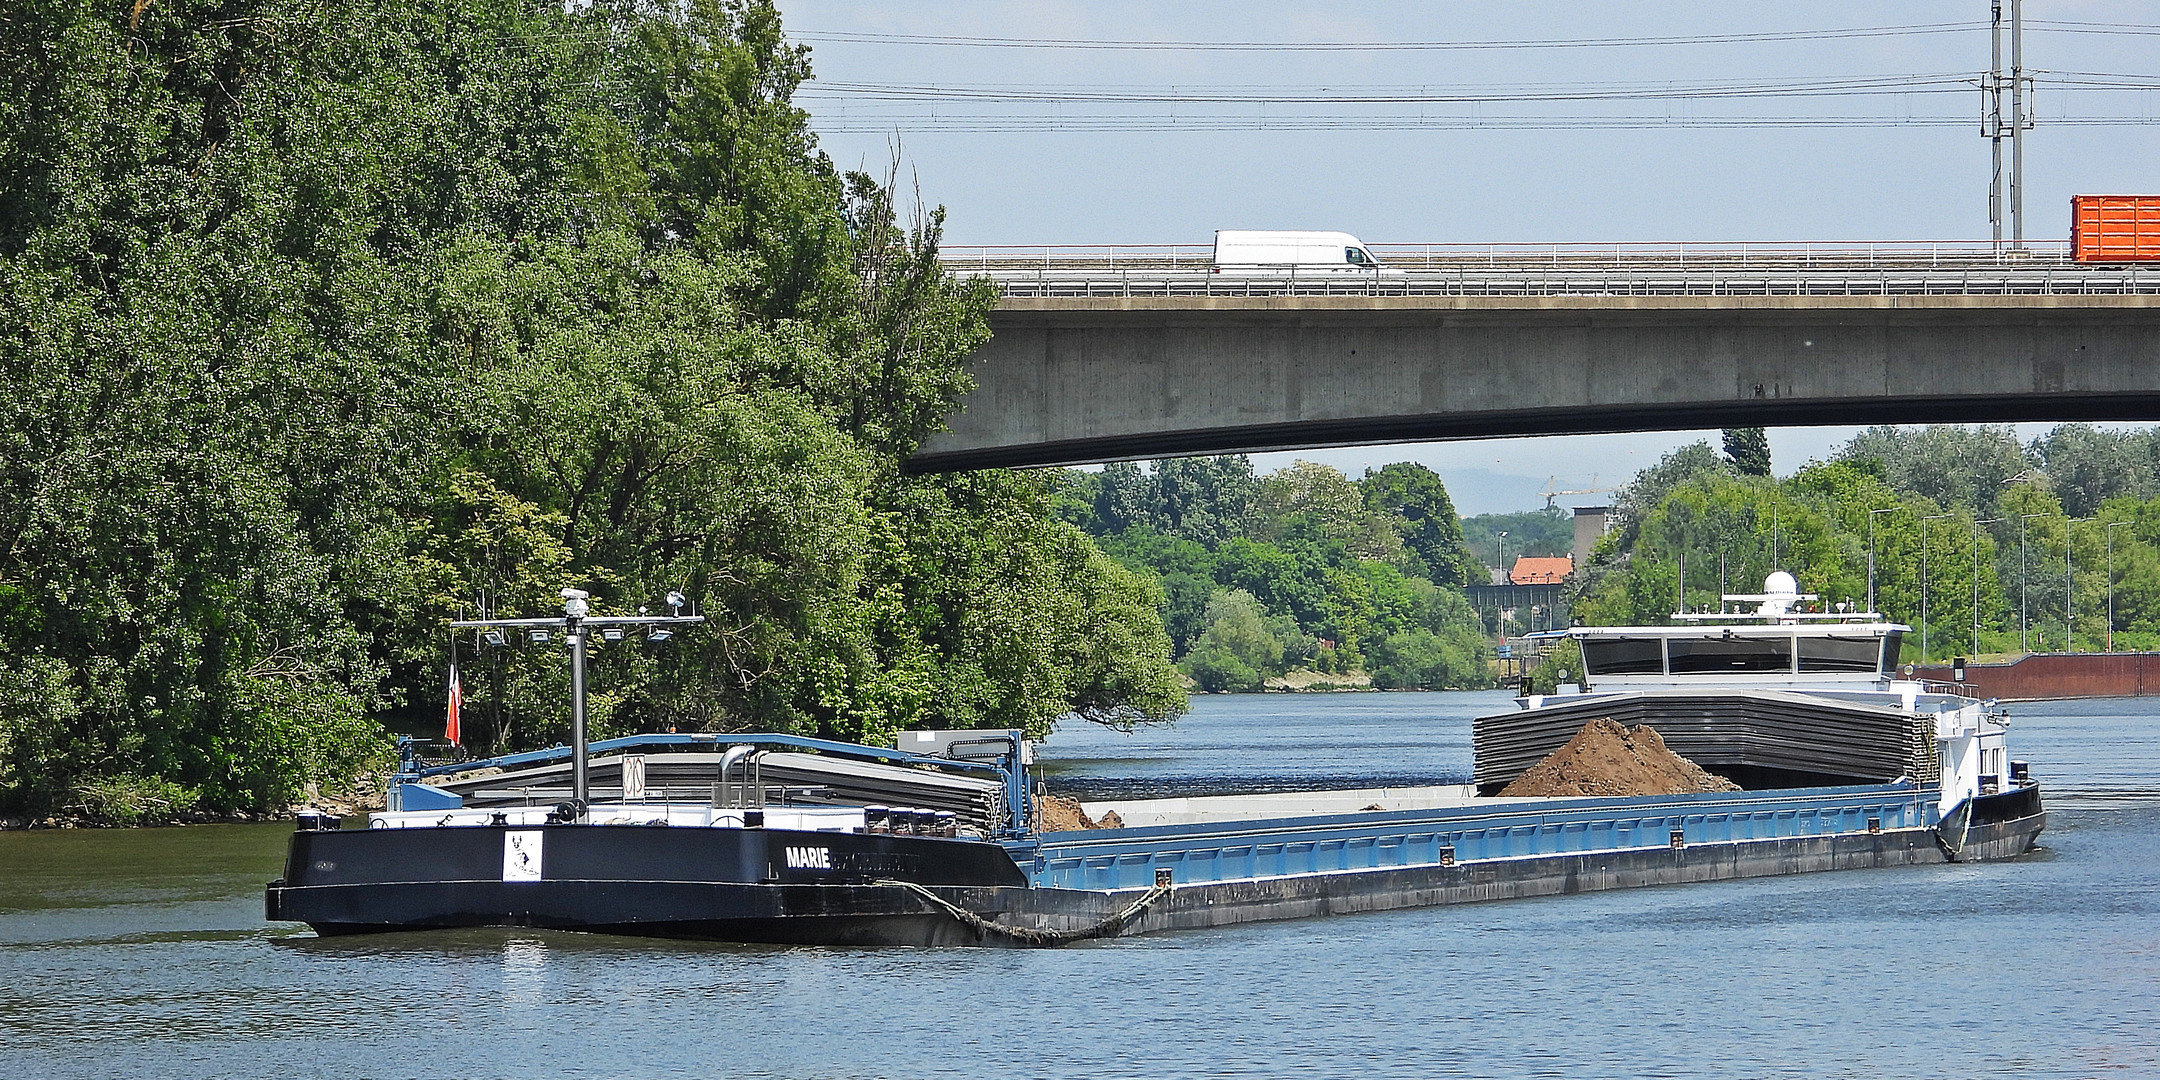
<point x="1008" y="768"/>
<point x="1950" y="689"/>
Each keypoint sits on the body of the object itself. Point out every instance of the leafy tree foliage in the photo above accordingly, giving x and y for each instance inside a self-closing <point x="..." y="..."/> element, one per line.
<point x="1205" y="499"/>
<point x="2087" y="466"/>
<point x="1955" y="467"/>
<point x="320" y="326"/>
<point x="1748" y="449"/>
<point x="1727" y="532"/>
<point x="1635" y="501"/>
<point x="1237" y="648"/>
<point x="1549" y="532"/>
<point x="1324" y="573"/>
<point x="1427" y="521"/>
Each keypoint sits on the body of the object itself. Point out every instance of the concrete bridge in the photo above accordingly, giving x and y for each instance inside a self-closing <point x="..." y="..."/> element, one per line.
<point x="1141" y="354"/>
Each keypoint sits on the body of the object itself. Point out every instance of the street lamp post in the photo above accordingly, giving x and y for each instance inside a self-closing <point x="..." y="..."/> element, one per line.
<point x="576" y="622"/>
<point x="1500" y="615"/>
<point x="1871" y="554"/>
<point x="2024" y="606"/>
<point x="1977" y="522"/>
<point x="2112" y="526"/>
<point x="2069" y="596"/>
<point x="1926" y="581"/>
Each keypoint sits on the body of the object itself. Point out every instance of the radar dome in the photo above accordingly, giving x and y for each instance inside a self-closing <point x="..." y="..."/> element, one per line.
<point x="1780" y="583"/>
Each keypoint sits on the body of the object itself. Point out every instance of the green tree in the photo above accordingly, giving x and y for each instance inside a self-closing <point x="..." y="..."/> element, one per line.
<point x="1748" y="449"/>
<point x="1548" y="532"/>
<point x="1634" y="502"/>
<point x="1306" y="489"/>
<point x="1238" y="649"/>
<point x="1418" y="502"/>
<point x="1955" y="467"/>
<point x="1238" y="623"/>
<point x="2087" y="466"/>
<point x="1206" y="499"/>
<point x="1729" y="532"/>
<point x="320" y="326"/>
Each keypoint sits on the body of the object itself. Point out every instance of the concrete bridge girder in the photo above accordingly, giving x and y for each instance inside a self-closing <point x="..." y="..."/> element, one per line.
<point x="1066" y="381"/>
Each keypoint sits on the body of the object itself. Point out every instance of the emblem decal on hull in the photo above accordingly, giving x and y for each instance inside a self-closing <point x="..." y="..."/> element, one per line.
<point x="521" y="856"/>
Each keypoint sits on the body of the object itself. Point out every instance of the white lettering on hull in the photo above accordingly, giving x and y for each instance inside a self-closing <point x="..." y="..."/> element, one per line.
<point x="809" y="858"/>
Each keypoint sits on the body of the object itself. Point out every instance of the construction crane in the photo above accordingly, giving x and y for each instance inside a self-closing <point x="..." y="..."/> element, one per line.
<point x="1552" y="493"/>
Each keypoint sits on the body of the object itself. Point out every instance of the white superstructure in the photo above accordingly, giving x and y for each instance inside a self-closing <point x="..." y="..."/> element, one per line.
<point x="1770" y="648"/>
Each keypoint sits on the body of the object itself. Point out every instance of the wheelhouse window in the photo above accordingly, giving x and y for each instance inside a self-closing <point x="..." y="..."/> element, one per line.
<point x="1842" y="654"/>
<point x="1623" y="656"/>
<point x="1730" y="655"/>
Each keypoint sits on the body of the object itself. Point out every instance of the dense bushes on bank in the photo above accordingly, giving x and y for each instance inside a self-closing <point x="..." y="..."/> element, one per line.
<point x="322" y="326"/>
<point x="1301" y="568"/>
<point x="1972" y="532"/>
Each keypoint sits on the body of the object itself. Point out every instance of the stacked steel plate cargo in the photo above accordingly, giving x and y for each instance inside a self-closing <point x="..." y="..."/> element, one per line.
<point x="778" y="838"/>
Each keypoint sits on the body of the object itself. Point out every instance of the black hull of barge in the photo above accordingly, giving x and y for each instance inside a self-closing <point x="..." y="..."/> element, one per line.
<point x="863" y="913"/>
<point x="752" y="885"/>
<point x="2004" y="825"/>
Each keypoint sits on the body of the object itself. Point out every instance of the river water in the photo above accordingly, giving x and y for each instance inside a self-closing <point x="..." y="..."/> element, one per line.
<point x="144" y="953"/>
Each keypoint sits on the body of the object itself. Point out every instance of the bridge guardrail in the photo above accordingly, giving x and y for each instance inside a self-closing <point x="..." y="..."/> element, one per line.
<point x="1126" y="283"/>
<point x="1409" y="255"/>
<point x="1645" y="269"/>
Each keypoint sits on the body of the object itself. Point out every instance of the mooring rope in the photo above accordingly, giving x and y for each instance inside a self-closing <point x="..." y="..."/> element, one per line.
<point x="1108" y="927"/>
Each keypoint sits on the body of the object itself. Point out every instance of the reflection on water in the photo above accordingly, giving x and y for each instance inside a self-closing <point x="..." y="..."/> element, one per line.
<point x="144" y="954"/>
<point x="524" y="971"/>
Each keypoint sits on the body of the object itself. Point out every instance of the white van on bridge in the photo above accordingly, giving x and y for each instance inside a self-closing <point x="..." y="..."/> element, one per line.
<point x="1275" y="254"/>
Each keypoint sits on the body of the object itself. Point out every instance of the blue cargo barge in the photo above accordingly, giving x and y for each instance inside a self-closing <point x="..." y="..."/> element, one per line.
<point x="1349" y="843"/>
<point x="803" y="871"/>
<point x="780" y="838"/>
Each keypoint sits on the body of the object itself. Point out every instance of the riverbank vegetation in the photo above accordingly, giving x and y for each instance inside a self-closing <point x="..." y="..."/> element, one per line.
<point x="1977" y="540"/>
<point x="1302" y="571"/>
<point x="320" y="327"/>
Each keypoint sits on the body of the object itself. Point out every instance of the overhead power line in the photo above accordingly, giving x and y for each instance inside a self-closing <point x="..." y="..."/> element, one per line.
<point x="2065" y="26"/>
<point x="1035" y="107"/>
<point x="1136" y="45"/>
<point x="1949" y="82"/>
<point x="956" y="41"/>
<point x="1010" y="125"/>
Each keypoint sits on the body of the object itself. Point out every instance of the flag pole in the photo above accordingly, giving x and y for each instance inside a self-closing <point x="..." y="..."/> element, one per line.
<point x="452" y="729"/>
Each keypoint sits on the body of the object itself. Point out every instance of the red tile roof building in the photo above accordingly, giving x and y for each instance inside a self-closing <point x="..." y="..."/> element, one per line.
<point x="1533" y="570"/>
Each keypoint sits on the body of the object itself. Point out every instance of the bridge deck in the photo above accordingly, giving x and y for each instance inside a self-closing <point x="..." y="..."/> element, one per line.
<point x="1568" y="270"/>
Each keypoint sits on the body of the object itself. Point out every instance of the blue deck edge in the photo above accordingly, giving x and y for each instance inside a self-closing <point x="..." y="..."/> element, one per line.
<point x="1114" y="859"/>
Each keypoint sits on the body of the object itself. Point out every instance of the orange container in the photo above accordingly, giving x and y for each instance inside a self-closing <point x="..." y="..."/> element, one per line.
<point x="2115" y="228"/>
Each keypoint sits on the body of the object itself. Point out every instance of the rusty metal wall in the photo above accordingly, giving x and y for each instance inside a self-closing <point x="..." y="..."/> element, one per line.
<point x="2060" y="675"/>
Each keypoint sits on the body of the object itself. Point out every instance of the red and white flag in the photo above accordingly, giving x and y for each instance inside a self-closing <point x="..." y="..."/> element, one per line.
<point x="451" y="730"/>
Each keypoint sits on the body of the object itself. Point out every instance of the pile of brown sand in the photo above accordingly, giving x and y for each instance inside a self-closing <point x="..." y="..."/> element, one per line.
<point x="1056" y="813"/>
<point x="1605" y="758"/>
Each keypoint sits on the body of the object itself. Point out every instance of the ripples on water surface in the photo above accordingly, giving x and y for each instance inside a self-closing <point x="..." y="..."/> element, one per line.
<point x="144" y="954"/>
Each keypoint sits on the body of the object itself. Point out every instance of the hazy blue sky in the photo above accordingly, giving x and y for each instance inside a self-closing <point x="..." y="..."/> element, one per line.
<point x="1033" y="172"/>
